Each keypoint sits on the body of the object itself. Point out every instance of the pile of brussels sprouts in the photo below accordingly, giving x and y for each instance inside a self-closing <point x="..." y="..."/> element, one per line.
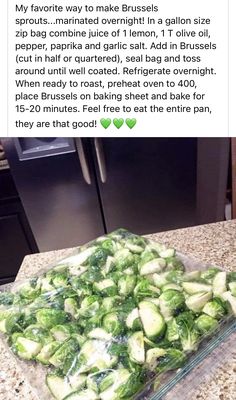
<point x="106" y="320"/>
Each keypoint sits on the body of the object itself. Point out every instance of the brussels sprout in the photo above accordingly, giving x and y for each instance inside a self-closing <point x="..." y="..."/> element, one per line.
<point x="47" y="352"/>
<point x="113" y="324"/>
<point x="231" y="277"/>
<point x="152" y="357"/>
<point x="26" y="348"/>
<point x="219" y="283"/>
<point x="171" y="303"/>
<point x="126" y="285"/>
<point x="60" y="280"/>
<point x="110" y="302"/>
<point x="172" y="359"/>
<point x="145" y="289"/>
<point x="29" y="290"/>
<point x="174" y="263"/>
<point x="109" y="265"/>
<point x="174" y="276"/>
<point x="95" y="356"/>
<point x="191" y="276"/>
<point x="195" y="287"/>
<point x="130" y="387"/>
<point x="109" y="246"/>
<point x="107" y="380"/>
<point x="215" y="308"/>
<point x="71" y="306"/>
<point x="159" y="280"/>
<point x="171" y="286"/>
<point x="82" y="288"/>
<point x="152" y="266"/>
<point x="6" y="298"/>
<point x="99" y="333"/>
<point x="210" y="273"/>
<point x="188" y="334"/>
<point x="46" y="285"/>
<point x="172" y="332"/>
<point x="197" y="301"/>
<point x="106" y="287"/>
<point x="124" y="259"/>
<point x="49" y="317"/>
<point x="77" y="381"/>
<point x="63" y="332"/>
<point x="65" y="353"/>
<point x="133" y="321"/>
<point x="227" y="296"/>
<point x="152" y="321"/>
<point x="121" y="378"/>
<point x="98" y="258"/>
<point x="80" y="258"/>
<point x="78" y="270"/>
<point x="136" y="347"/>
<point x="167" y="253"/>
<point x="232" y="288"/>
<point x="59" y="386"/>
<point x="93" y="274"/>
<point x="94" y="380"/>
<point x="13" y="322"/>
<point x="134" y="248"/>
<point x="89" y="306"/>
<point x="38" y="334"/>
<point x="206" y="324"/>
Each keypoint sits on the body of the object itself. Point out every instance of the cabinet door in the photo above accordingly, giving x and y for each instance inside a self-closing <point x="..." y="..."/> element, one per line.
<point x="13" y="245"/>
<point x="63" y="209"/>
<point x="150" y="184"/>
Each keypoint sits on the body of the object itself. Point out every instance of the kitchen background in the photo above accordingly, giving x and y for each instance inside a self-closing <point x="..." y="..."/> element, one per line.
<point x="61" y="192"/>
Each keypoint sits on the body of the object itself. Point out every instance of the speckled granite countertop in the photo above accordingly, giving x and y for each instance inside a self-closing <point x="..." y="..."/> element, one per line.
<point x="214" y="243"/>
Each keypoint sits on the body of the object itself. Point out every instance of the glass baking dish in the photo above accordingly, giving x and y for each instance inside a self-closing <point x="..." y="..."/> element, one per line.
<point x="159" y="386"/>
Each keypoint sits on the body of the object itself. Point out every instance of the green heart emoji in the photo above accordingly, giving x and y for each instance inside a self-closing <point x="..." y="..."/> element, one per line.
<point x="105" y="122"/>
<point x="131" y="122"/>
<point x="118" y="122"/>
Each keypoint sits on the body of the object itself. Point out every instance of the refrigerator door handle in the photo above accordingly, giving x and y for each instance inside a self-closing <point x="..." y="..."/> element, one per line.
<point x="83" y="161"/>
<point x="100" y="159"/>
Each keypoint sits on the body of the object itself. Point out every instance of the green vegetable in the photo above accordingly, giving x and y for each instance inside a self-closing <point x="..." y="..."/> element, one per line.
<point x="195" y="287"/>
<point x="171" y="303"/>
<point x="215" y="308"/>
<point x="227" y="296"/>
<point x="106" y="287"/>
<point x="26" y="348"/>
<point x="107" y="319"/>
<point x="189" y="335"/>
<point x="126" y="285"/>
<point x="49" y="317"/>
<point x="206" y="324"/>
<point x="152" y="357"/>
<point x="197" y="301"/>
<point x="89" y="306"/>
<point x="65" y="353"/>
<point x="152" y="266"/>
<point x="113" y="324"/>
<point x="232" y="288"/>
<point x="153" y="322"/>
<point x="172" y="359"/>
<point x="219" y="283"/>
<point x="133" y="321"/>
<point x="172" y="332"/>
<point x="6" y="298"/>
<point x="136" y="347"/>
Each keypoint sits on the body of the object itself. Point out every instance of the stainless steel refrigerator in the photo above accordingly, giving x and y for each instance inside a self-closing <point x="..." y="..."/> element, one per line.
<point x="73" y="190"/>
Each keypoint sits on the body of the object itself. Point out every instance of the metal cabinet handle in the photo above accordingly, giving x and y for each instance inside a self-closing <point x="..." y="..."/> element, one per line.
<point x="83" y="161"/>
<point x="100" y="159"/>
